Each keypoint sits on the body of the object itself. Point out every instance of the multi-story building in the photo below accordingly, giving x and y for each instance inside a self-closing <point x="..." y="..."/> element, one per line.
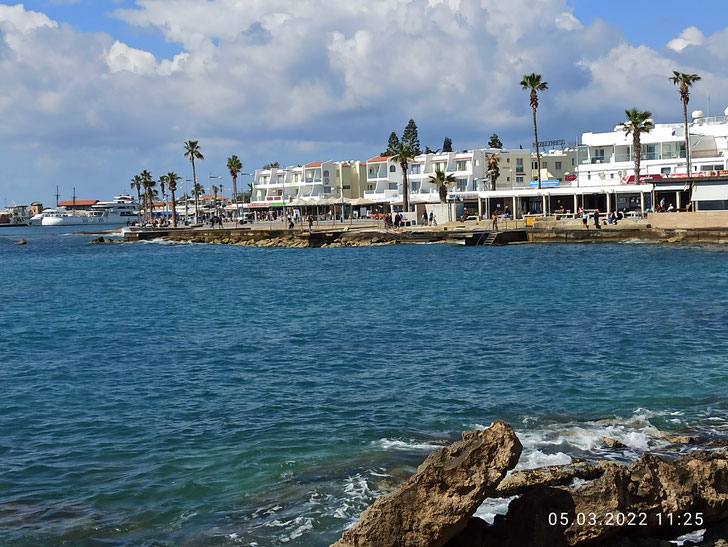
<point x="607" y="159"/>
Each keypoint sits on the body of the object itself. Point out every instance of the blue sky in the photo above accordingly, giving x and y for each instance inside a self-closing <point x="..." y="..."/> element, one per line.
<point x="94" y="91"/>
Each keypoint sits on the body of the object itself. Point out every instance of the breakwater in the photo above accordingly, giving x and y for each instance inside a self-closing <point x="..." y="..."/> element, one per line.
<point x="334" y="237"/>
<point x="462" y="234"/>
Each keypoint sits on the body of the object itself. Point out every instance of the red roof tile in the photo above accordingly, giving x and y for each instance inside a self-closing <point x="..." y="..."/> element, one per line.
<point x="315" y="164"/>
<point x="79" y="203"/>
<point x="379" y="159"/>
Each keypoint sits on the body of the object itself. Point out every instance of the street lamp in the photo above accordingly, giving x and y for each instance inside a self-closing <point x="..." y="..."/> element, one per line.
<point x="186" y="200"/>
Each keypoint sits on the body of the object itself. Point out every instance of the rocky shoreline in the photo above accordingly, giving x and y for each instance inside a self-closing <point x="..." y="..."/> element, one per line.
<point x="338" y="236"/>
<point x="648" y="503"/>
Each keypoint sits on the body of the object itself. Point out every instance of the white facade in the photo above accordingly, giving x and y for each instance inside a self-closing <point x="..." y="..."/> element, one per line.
<point x="608" y="157"/>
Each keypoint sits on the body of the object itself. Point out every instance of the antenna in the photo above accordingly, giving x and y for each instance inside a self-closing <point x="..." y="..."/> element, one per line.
<point x="708" y="109"/>
<point x="57" y="196"/>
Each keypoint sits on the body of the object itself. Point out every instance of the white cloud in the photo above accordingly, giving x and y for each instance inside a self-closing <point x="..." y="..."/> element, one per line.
<point x="691" y="36"/>
<point x="272" y="74"/>
<point x="23" y="20"/>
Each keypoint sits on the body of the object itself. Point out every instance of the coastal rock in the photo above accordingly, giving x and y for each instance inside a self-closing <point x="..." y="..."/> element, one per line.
<point x="435" y="504"/>
<point x="613" y="443"/>
<point x="21" y="242"/>
<point x="97" y="241"/>
<point x="693" y="484"/>
<point x="518" y="482"/>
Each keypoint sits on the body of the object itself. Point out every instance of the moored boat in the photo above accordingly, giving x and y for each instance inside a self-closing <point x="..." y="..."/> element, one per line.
<point x="119" y="211"/>
<point x="15" y="215"/>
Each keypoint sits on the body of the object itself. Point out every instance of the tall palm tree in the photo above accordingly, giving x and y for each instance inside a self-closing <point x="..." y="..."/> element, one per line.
<point x="684" y="81"/>
<point x="162" y="185"/>
<point x="534" y="83"/>
<point x="172" y="179"/>
<point x="136" y="182"/>
<point x="638" y="122"/>
<point x="403" y="153"/>
<point x="234" y="165"/>
<point x="148" y="183"/>
<point x="442" y="181"/>
<point x="192" y="152"/>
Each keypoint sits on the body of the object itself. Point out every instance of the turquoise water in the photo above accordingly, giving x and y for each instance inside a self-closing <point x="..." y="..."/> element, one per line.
<point x="160" y="394"/>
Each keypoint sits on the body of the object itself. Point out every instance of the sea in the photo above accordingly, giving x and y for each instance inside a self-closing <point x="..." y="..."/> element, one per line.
<point x="190" y="394"/>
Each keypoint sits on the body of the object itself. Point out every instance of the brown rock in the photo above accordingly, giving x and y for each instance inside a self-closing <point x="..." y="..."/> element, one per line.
<point x="435" y="504"/>
<point x="653" y="486"/>
<point x="557" y="475"/>
<point x="22" y="242"/>
<point x="613" y="443"/>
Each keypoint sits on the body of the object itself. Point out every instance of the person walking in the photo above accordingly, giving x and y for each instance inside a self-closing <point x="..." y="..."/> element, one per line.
<point x="494" y="219"/>
<point x="310" y="223"/>
<point x="596" y="219"/>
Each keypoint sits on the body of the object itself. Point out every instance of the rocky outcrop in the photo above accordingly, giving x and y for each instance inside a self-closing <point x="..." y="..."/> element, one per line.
<point x="435" y="504"/>
<point x="21" y="242"/>
<point x="653" y="497"/>
<point x="518" y="482"/>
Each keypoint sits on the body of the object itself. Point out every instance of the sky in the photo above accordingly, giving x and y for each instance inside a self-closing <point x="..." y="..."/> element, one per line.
<point x="94" y="91"/>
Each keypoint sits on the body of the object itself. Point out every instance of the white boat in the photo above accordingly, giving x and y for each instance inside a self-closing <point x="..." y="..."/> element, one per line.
<point x="37" y="219"/>
<point x="120" y="211"/>
<point x="15" y="215"/>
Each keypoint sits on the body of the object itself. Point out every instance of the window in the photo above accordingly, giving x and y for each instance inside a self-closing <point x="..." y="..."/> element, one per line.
<point x="534" y="165"/>
<point x="440" y="166"/>
<point x="508" y="160"/>
<point x="519" y="165"/>
<point x="598" y="156"/>
<point x="558" y="166"/>
<point x="544" y="164"/>
<point x="392" y="168"/>
<point x="572" y="162"/>
<point x="461" y="165"/>
<point x="665" y="170"/>
<point x="326" y="173"/>
<point x="519" y="179"/>
<point x="392" y="185"/>
<point x="477" y="163"/>
<point x="415" y="169"/>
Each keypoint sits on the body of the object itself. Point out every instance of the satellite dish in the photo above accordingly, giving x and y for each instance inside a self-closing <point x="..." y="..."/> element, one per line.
<point x="697" y="114"/>
<point x="725" y="112"/>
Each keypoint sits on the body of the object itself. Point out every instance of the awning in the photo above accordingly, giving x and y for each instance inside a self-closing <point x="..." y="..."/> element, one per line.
<point x="710" y="192"/>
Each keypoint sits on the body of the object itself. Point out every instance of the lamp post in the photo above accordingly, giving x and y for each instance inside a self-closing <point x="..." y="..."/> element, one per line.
<point x="186" y="200"/>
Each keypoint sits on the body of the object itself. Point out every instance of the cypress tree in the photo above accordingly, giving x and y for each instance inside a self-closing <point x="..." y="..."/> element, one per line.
<point x="447" y="145"/>
<point x="495" y="142"/>
<point x="409" y="136"/>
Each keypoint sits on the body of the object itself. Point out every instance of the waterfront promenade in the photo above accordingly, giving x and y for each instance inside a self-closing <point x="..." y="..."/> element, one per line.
<point x="659" y="227"/>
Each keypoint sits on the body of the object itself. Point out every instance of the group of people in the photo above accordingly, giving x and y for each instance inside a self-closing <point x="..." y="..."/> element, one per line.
<point x="612" y="218"/>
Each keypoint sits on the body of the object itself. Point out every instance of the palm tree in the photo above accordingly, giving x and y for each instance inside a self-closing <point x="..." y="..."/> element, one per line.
<point x="442" y="181"/>
<point x="685" y="81"/>
<point x="638" y="122"/>
<point x="493" y="169"/>
<point x="136" y="182"/>
<point x="162" y="186"/>
<point x="172" y="179"/>
<point x="533" y="82"/>
<point x="149" y="183"/>
<point x="403" y="154"/>
<point x="192" y="152"/>
<point x="234" y="165"/>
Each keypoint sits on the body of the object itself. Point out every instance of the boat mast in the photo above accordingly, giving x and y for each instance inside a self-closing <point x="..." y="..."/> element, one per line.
<point x="57" y="196"/>
<point x="74" y="201"/>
